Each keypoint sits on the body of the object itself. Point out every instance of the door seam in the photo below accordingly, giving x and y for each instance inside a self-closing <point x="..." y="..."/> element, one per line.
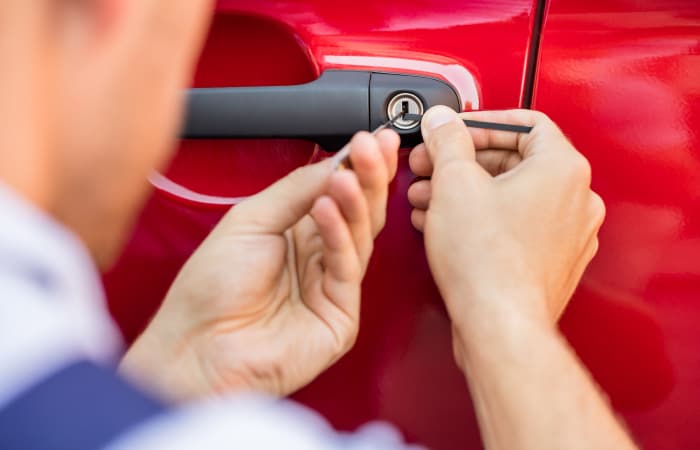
<point x="533" y="55"/>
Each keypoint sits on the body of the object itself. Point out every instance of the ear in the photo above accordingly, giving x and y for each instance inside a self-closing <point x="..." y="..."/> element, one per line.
<point x="175" y="28"/>
<point x="107" y="15"/>
<point x="171" y="30"/>
<point x="85" y="27"/>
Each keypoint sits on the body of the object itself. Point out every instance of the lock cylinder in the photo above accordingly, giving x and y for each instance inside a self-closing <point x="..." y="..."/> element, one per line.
<point x="402" y="104"/>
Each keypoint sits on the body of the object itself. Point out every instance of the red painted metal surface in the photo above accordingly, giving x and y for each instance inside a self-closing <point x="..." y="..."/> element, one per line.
<point x="622" y="78"/>
<point x="402" y="368"/>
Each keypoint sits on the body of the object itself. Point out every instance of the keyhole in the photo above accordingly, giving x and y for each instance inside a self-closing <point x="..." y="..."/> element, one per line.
<point x="402" y="104"/>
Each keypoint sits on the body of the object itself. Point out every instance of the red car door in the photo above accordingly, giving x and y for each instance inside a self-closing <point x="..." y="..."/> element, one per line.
<point x="622" y="78"/>
<point x="632" y="319"/>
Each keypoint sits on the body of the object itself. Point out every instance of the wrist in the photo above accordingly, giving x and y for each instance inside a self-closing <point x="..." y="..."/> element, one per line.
<point x="156" y="365"/>
<point x="483" y="311"/>
<point x="178" y="370"/>
<point x="497" y="322"/>
<point x="507" y="343"/>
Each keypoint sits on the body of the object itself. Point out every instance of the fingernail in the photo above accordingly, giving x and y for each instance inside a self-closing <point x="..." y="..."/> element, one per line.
<point x="438" y="116"/>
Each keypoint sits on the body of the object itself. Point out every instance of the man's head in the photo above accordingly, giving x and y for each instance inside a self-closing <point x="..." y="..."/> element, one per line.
<point x="91" y="97"/>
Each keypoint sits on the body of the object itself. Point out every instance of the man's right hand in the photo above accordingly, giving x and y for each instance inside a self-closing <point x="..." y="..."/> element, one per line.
<point x="510" y="220"/>
<point x="510" y="225"/>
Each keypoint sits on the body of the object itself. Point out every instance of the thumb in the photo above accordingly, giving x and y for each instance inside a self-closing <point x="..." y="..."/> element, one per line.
<point x="283" y="204"/>
<point x="446" y="137"/>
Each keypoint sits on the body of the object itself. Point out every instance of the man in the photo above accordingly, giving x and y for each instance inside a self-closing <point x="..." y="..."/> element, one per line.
<point x="91" y="97"/>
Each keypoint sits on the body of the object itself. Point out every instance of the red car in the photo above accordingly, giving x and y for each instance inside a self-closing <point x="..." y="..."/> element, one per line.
<point x="284" y="82"/>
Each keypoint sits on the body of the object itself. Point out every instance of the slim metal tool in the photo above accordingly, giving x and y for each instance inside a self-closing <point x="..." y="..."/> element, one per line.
<point x="480" y="124"/>
<point x="341" y="160"/>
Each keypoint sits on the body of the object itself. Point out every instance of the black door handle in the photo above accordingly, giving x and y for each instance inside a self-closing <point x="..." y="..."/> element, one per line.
<point x="328" y="110"/>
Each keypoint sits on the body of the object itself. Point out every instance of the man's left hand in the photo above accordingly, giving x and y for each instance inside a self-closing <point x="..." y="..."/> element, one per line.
<point x="272" y="297"/>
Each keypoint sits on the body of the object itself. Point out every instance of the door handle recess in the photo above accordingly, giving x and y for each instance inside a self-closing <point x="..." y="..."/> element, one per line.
<point x="327" y="111"/>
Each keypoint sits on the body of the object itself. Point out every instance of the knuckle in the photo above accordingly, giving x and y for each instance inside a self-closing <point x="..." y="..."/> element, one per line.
<point x="508" y="162"/>
<point x="369" y="250"/>
<point x="539" y="116"/>
<point x="531" y="117"/>
<point x="546" y="126"/>
<point x="379" y="223"/>
<point x="418" y="217"/>
<point x="451" y="170"/>
<point x="356" y="272"/>
<point x="579" y="169"/>
<point x="593" y="251"/>
<point x="353" y="333"/>
<point x="345" y="335"/>
<point x="585" y="170"/>
<point x="440" y="138"/>
<point x="351" y="340"/>
<point x="599" y="209"/>
<point x="238" y="212"/>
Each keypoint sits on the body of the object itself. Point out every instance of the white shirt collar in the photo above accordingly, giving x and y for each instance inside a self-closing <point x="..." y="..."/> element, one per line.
<point x="34" y="245"/>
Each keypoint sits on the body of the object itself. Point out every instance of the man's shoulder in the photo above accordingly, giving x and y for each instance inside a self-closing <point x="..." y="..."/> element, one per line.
<point x="80" y="405"/>
<point x="39" y="332"/>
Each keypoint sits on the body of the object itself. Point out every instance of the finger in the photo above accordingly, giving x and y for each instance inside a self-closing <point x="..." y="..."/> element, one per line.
<point x="497" y="162"/>
<point x="389" y="143"/>
<point x="419" y="194"/>
<point x="446" y="138"/>
<point x="370" y="167"/>
<point x="543" y="131"/>
<point x="418" y="219"/>
<point x="598" y="210"/>
<point x="307" y="244"/>
<point x="419" y="161"/>
<point x="283" y="204"/>
<point x="340" y="259"/>
<point x="346" y="192"/>
<point x="333" y="293"/>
